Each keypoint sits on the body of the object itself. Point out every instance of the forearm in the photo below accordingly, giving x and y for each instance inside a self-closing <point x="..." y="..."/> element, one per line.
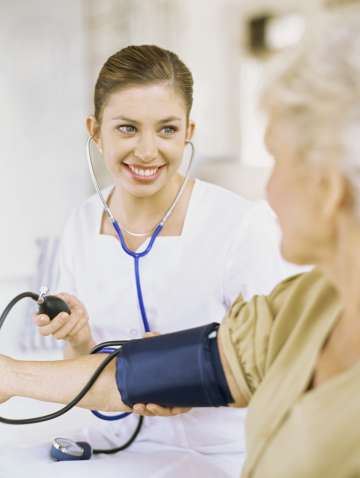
<point x="61" y="381"/>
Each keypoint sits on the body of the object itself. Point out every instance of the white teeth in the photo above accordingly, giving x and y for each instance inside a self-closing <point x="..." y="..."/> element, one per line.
<point x="143" y="172"/>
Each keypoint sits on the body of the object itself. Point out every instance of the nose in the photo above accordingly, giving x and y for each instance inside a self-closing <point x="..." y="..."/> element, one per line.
<point x="146" y="148"/>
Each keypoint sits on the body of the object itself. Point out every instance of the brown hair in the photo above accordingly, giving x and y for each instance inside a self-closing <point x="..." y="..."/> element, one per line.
<point x="142" y="65"/>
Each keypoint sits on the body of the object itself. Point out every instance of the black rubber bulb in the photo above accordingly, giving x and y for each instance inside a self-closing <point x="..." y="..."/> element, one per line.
<point x="52" y="306"/>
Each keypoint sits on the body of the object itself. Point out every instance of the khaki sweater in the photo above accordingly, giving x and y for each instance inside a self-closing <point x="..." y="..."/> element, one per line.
<point x="272" y="345"/>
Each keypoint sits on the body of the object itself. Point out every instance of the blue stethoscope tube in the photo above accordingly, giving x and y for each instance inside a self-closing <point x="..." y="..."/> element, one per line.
<point x="135" y="255"/>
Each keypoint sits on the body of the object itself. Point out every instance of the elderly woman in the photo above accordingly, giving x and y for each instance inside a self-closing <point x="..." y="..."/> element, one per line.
<point x="293" y="356"/>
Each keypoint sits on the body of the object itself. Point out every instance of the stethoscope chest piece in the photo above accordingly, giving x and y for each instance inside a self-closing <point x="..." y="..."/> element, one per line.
<point x="63" y="449"/>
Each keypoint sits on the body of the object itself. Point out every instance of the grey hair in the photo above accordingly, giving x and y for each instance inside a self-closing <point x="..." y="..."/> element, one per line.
<point x="318" y="90"/>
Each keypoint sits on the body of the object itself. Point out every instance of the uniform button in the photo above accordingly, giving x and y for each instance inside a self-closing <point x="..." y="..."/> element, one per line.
<point x="134" y="333"/>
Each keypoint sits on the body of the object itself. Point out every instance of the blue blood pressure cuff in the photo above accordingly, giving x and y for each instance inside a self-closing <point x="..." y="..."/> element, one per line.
<point x="181" y="369"/>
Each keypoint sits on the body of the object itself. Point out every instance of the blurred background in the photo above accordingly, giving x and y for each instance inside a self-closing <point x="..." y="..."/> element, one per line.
<point x="51" y="54"/>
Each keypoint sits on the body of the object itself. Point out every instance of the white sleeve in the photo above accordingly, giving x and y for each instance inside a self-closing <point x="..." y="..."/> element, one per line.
<point x="254" y="264"/>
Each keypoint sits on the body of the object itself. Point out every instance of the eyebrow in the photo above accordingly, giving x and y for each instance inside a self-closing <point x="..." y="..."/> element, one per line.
<point x="129" y="120"/>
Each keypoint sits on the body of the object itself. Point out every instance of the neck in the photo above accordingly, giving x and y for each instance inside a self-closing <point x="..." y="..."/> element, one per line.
<point x="140" y="214"/>
<point x="344" y="271"/>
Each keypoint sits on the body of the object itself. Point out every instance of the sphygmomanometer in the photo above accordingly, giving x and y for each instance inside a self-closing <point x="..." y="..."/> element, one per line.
<point x="180" y="369"/>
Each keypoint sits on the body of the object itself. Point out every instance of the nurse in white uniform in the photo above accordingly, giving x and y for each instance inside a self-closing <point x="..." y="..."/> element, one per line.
<point x="214" y="246"/>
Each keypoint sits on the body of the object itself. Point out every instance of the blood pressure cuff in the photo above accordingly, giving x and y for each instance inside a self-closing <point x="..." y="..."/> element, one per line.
<point x="181" y="369"/>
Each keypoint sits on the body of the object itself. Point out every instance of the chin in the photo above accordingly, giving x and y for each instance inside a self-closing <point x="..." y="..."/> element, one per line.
<point x="142" y="190"/>
<point x="295" y="255"/>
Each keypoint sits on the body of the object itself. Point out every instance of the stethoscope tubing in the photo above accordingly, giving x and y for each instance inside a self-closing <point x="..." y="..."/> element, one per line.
<point x="135" y="255"/>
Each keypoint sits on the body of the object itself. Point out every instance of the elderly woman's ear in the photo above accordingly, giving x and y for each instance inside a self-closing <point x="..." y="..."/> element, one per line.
<point x="335" y="191"/>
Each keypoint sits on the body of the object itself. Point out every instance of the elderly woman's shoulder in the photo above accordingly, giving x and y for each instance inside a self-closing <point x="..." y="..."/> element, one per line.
<point x="302" y="290"/>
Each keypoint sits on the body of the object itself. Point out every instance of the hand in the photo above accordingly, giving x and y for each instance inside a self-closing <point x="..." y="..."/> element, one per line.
<point x="73" y="328"/>
<point x="147" y="335"/>
<point x="5" y="378"/>
<point x="152" y="410"/>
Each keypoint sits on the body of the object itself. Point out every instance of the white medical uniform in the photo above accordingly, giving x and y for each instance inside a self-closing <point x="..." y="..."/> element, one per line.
<point x="228" y="246"/>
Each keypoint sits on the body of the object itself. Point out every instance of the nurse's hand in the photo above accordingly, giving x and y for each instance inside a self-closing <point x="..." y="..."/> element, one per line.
<point x="152" y="410"/>
<point x="74" y="329"/>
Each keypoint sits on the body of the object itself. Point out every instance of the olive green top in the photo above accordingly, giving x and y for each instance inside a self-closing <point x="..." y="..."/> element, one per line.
<point x="272" y="344"/>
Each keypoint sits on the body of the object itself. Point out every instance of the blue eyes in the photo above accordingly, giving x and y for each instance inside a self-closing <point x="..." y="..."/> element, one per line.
<point x="126" y="129"/>
<point x="129" y="130"/>
<point x="169" y="130"/>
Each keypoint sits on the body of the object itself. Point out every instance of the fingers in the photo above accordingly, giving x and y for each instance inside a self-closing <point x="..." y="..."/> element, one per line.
<point x="81" y="323"/>
<point x="60" y="327"/>
<point x="41" y="320"/>
<point x="153" y="410"/>
<point x="67" y="329"/>
<point x="69" y="298"/>
<point x="151" y="334"/>
<point x="73" y="302"/>
<point x="64" y="326"/>
<point x="179" y="410"/>
<point x="50" y="327"/>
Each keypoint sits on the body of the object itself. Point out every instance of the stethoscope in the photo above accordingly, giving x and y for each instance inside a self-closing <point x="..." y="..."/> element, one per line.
<point x="135" y="255"/>
<point x="64" y="449"/>
<point x="156" y="231"/>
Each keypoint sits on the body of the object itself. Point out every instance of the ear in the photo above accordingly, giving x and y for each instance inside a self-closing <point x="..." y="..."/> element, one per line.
<point x="190" y="130"/>
<point x="93" y="129"/>
<point x="337" y="193"/>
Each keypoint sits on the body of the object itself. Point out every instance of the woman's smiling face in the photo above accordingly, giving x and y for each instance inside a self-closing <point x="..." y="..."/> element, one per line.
<point x="142" y="136"/>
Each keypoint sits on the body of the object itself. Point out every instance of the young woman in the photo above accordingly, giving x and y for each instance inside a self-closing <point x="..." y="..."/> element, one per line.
<point x="214" y="246"/>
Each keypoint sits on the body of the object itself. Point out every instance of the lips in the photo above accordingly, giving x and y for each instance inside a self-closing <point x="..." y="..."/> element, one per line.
<point x="141" y="173"/>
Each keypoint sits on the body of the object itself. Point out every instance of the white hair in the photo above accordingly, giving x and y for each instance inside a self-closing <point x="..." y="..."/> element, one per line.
<point x="318" y="90"/>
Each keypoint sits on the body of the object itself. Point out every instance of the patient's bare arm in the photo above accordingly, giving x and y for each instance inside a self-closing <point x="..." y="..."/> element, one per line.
<point x="61" y="381"/>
